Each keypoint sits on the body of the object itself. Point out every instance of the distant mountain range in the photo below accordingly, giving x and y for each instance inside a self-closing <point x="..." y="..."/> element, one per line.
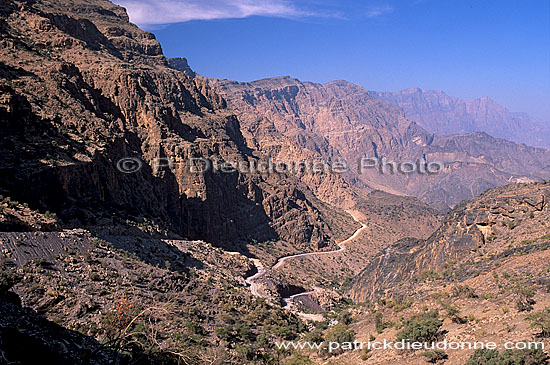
<point x="293" y="120"/>
<point x="442" y="114"/>
<point x="157" y="262"/>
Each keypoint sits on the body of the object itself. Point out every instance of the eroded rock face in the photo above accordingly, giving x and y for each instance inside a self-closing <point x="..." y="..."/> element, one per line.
<point x="443" y="114"/>
<point x="181" y="64"/>
<point x="488" y="223"/>
<point x="293" y="120"/>
<point x="83" y="88"/>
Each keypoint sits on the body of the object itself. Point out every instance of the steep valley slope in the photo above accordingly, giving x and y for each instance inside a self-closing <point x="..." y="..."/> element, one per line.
<point x="110" y="254"/>
<point x="101" y="264"/>
<point x="82" y="88"/>
<point x="343" y="120"/>
<point x="485" y="270"/>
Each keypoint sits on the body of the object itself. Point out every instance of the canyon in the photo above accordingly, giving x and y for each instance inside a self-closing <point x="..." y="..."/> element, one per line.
<point x="168" y="264"/>
<point x="341" y="120"/>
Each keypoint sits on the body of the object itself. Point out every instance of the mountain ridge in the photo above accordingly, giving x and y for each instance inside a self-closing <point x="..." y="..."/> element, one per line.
<point x="443" y="114"/>
<point x="340" y="119"/>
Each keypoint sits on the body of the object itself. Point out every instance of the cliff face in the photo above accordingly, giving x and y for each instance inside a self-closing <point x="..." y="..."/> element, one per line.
<point x="282" y="116"/>
<point x="82" y="88"/>
<point x="442" y="114"/>
<point x="477" y="236"/>
<point x="293" y="120"/>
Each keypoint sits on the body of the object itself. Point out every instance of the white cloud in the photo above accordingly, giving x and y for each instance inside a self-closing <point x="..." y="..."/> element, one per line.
<point x="154" y="12"/>
<point x="379" y="11"/>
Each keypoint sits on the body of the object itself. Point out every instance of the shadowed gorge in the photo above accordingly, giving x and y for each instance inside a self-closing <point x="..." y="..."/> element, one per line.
<point x="150" y="214"/>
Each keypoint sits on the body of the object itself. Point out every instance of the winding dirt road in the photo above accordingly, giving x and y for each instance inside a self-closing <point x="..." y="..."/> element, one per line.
<point x="282" y="260"/>
<point x="251" y="280"/>
<point x="287" y="301"/>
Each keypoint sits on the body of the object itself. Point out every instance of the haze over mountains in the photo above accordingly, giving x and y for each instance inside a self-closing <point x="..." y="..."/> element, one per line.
<point x="167" y="264"/>
<point x="441" y="114"/>
<point x="341" y="119"/>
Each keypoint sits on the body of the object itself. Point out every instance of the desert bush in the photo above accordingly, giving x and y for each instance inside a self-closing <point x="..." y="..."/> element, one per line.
<point x="314" y="336"/>
<point x="463" y="291"/>
<point x="508" y="357"/>
<point x="340" y="333"/>
<point x="298" y="359"/>
<point x="8" y="277"/>
<point x="380" y="324"/>
<point x="344" y="317"/>
<point x="128" y="329"/>
<point x="453" y="312"/>
<point x="541" y="320"/>
<point x="365" y="354"/>
<point x="422" y="327"/>
<point x="433" y="356"/>
<point x="524" y="301"/>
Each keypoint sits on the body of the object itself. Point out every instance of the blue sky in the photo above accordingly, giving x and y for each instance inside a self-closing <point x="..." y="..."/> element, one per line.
<point x="469" y="49"/>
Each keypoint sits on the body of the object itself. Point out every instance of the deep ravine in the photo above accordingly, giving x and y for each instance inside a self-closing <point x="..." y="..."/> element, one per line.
<point x="289" y="301"/>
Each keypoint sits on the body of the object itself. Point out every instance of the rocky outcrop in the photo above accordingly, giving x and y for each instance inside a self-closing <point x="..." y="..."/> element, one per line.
<point x="293" y="120"/>
<point x="442" y="114"/>
<point x="84" y="88"/>
<point x="181" y="64"/>
<point x="26" y="338"/>
<point x="487" y="223"/>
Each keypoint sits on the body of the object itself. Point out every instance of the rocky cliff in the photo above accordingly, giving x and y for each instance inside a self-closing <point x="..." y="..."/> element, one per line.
<point x="82" y="88"/>
<point x="477" y="236"/>
<point x="442" y="114"/>
<point x="294" y="120"/>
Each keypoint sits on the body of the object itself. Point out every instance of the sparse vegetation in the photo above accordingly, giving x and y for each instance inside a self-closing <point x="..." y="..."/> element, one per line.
<point x="508" y="357"/>
<point x="453" y="312"/>
<point x="434" y="356"/>
<point x="340" y="333"/>
<point x="422" y="327"/>
<point x="380" y="324"/>
<point x="525" y="294"/>
<point x="541" y="321"/>
<point x="463" y="291"/>
<point x="298" y="359"/>
<point x="366" y="354"/>
<point x="8" y="277"/>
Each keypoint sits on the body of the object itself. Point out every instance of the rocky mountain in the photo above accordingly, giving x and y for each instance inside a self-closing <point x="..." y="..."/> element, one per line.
<point x="111" y="241"/>
<point x="483" y="274"/>
<point x="181" y="64"/>
<point x="478" y="234"/>
<point x="341" y="120"/>
<point x="83" y="89"/>
<point x="442" y="114"/>
<point x="115" y="248"/>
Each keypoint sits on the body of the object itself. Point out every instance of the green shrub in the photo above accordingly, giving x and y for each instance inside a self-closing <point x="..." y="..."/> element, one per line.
<point x="365" y="354"/>
<point x="434" y="356"/>
<point x="379" y="323"/>
<point x="421" y="328"/>
<point x="339" y="333"/>
<point x="525" y="299"/>
<point x="298" y="359"/>
<point x="453" y="312"/>
<point x="541" y="320"/>
<point x="464" y="291"/>
<point x="344" y="317"/>
<point x="8" y="278"/>
<point x="508" y="357"/>
<point x="224" y="333"/>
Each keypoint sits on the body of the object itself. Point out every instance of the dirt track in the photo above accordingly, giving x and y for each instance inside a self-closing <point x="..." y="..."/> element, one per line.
<point x="289" y="300"/>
